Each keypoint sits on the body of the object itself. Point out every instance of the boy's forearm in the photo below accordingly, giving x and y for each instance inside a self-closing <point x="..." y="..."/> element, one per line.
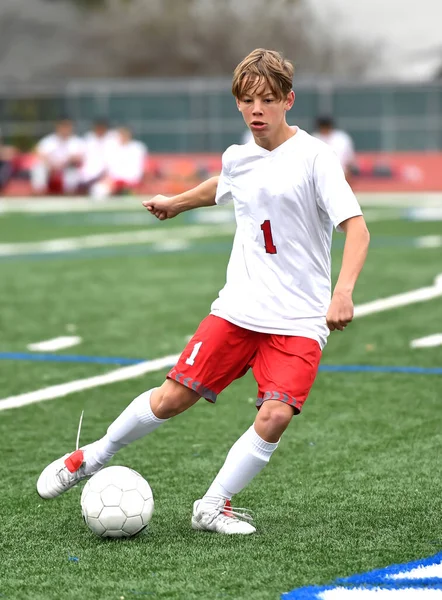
<point x="201" y="195"/>
<point x="355" y="252"/>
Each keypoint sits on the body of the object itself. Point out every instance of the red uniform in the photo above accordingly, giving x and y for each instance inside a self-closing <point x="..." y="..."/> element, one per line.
<point x="284" y="366"/>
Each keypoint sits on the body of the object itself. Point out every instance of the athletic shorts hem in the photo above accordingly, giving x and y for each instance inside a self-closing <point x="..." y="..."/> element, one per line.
<point x="196" y="386"/>
<point x="290" y="400"/>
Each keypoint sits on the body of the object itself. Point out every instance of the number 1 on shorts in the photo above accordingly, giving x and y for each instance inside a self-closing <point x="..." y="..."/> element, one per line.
<point x="191" y="360"/>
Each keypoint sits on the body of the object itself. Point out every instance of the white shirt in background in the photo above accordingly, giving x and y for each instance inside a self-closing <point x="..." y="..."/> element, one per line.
<point x="286" y="203"/>
<point x="59" y="150"/>
<point x="97" y="152"/>
<point x="341" y="143"/>
<point x="127" y="162"/>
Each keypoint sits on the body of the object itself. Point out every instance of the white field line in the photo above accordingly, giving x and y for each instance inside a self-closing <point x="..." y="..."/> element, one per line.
<point x="224" y="214"/>
<point x="374" y="215"/>
<point x="122" y="238"/>
<point x="421" y="572"/>
<point x="58" y="343"/>
<point x="419" y="199"/>
<point x="171" y="246"/>
<point x="428" y="241"/>
<point x="64" y="204"/>
<point x="424" y="214"/>
<point x="430" y="341"/>
<point x="64" y="389"/>
<point x="411" y="297"/>
<point x="145" y="236"/>
<point x="362" y="593"/>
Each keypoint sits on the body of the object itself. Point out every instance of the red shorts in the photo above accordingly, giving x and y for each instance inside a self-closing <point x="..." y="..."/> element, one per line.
<point x="55" y="182"/>
<point x="284" y="366"/>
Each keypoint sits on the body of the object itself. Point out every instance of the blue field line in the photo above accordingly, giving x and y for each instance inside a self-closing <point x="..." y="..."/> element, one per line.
<point x="381" y="369"/>
<point x="115" y="360"/>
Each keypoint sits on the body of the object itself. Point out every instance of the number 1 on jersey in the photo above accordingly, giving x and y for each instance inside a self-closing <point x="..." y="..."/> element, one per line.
<point x="268" y="238"/>
<point x="191" y="360"/>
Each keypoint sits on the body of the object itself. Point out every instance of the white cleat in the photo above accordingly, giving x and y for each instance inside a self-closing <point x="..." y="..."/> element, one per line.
<point x="221" y="518"/>
<point x="62" y="474"/>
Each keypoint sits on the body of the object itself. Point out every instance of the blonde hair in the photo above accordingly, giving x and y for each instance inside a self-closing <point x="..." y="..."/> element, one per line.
<point x="263" y="67"/>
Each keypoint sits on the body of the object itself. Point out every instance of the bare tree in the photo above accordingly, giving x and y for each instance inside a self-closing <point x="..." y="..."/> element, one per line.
<point x="139" y="38"/>
<point x="209" y="37"/>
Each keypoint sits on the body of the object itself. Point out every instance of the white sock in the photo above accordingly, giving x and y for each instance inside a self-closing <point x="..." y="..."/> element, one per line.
<point x="247" y="457"/>
<point x="136" y="421"/>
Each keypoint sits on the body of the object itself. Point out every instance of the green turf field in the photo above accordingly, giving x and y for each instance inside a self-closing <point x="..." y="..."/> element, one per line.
<point x="354" y="485"/>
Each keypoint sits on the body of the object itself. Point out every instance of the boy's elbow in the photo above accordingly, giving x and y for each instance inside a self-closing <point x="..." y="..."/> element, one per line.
<point x="363" y="236"/>
<point x="364" y="231"/>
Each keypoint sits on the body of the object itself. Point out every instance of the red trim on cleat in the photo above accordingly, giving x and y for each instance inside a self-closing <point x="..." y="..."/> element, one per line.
<point x="74" y="461"/>
<point x="227" y="508"/>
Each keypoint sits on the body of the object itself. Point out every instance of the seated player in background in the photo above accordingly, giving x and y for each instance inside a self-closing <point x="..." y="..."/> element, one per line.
<point x="126" y="164"/>
<point x="98" y="146"/>
<point x="339" y="140"/>
<point x="276" y="309"/>
<point x="59" y="157"/>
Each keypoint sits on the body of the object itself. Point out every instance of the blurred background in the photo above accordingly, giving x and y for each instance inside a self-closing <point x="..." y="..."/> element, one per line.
<point x="162" y="69"/>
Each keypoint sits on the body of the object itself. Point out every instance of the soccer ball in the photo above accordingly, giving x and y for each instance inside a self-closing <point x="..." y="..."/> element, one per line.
<point x="117" y="502"/>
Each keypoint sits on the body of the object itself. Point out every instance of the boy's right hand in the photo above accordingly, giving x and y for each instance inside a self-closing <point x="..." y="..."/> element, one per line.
<point x="161" y="207"/>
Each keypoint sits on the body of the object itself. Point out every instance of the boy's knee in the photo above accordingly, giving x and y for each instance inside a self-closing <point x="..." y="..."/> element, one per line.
<point x="273" y="419"/>
<point x="171" y="399"/>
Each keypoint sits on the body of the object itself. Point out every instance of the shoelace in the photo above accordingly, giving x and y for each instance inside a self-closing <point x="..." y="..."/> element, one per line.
<point x="63" y="475"/>
<point x="231" y="512"/>
<point x="77" y="443"/>
<point x="239" y="513"/>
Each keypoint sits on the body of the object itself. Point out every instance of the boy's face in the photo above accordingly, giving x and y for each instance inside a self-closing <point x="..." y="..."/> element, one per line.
<point x="64" y="128"/>
<point x="100" y="129"/>
<point x="264" y="112"/>
<point x="125" y="135"/>
<point x="325" y="129"/>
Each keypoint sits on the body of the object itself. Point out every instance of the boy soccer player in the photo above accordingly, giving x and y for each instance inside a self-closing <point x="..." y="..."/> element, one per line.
<point x="275" y="311"/>
<point x="337" y="139"/>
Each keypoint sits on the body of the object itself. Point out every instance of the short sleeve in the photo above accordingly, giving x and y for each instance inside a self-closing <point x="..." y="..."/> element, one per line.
<point x="223" y="191"/>
<point x="333" y="194"/>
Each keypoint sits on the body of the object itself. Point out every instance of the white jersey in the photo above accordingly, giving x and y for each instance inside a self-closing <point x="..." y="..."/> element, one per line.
<point x="59" y="150"/>
<point x="341" y="143"/>
<point x="286" y="203"/>
<point x="96" y="154"/>
<point x="247" y="137"/>
<point x="127" y="162"/>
